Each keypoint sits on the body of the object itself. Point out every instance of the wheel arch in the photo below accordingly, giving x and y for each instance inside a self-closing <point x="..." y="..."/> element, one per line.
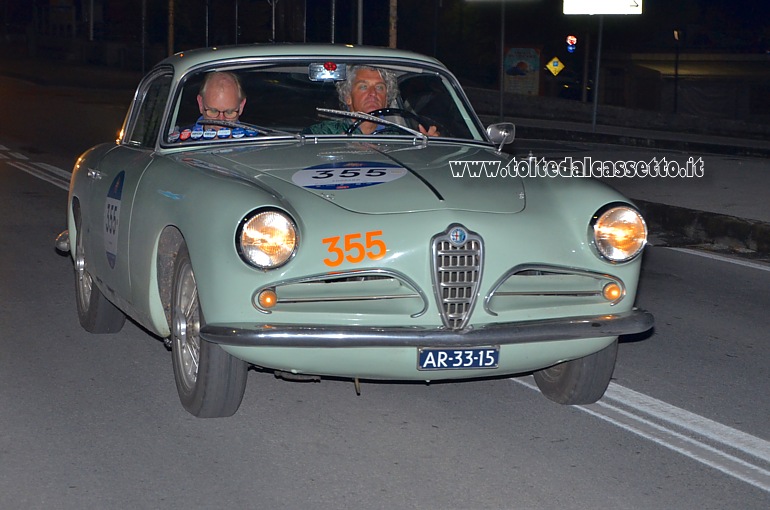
<point x="74" y="218"/>
<point x="169" y="242"/>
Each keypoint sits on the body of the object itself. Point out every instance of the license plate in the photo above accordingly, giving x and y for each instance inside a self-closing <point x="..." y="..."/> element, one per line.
<point x="457" y="359"/>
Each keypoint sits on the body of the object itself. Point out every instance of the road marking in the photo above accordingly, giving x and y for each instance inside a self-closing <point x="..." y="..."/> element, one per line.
<point x="722" y="258"/>
<point x="687" y="420"/>
<point x="683" y="432"/>
<point x="48" y="173"/>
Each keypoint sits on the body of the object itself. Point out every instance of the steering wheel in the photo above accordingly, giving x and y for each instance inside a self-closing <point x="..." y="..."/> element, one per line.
<point x="426" y="122"/>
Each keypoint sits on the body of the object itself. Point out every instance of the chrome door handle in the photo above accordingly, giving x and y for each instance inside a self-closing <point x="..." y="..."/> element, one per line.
<point x="94" y="174"/>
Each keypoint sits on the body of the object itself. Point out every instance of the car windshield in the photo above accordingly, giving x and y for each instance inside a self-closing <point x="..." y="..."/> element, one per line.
<point x="309" y="98"/>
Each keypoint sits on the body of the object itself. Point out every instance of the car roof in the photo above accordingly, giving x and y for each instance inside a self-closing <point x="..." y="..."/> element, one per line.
<point x="185" y="60"/>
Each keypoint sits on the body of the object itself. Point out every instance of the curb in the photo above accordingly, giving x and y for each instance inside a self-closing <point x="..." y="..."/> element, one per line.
<point x="708" y="147"/>
<point x="739" y="235"/>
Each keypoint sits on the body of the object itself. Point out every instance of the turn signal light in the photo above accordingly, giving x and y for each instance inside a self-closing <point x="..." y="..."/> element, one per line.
<point x="267" y="298"/>
<point x="612" y="292"/>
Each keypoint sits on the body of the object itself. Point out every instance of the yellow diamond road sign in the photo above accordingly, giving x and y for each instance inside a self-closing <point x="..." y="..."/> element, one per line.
<point x="555" y="66"/>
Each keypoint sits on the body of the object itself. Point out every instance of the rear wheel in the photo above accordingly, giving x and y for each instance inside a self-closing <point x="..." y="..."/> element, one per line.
<point x="210" y="382"/>
<point x="579" y="381"/>
<point x="95" y="312"/>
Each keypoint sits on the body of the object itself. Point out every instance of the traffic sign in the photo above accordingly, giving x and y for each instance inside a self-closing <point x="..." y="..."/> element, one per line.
<point x="602" y="6"/>
<point x="555" y="66"/>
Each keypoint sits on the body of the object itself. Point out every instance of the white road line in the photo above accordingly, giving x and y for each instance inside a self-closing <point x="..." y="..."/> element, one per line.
<point x="55" y="170"/>
<point x="689" y="447"/>
<point x="19" y="155"/>
<point x="685" y="419"/>
<point x="627" y="409"/>
<point x="53" y="178"/>
<point x="722" y="258"/>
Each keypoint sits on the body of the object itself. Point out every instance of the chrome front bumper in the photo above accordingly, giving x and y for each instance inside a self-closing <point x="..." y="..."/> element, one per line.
<point x="570" y="328"/>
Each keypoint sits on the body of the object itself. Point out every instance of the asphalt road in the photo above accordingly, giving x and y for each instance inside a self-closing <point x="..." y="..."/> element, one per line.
<point x="94" y="421"/>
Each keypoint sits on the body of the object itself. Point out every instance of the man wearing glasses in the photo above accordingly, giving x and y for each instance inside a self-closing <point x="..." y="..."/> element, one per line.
<point x="220" y="98"/>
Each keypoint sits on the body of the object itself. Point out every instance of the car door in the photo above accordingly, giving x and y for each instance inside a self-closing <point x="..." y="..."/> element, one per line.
<point x="115" y="180"/>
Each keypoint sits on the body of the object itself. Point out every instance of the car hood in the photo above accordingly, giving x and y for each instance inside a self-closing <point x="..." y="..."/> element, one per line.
<point x="379" y="178"/>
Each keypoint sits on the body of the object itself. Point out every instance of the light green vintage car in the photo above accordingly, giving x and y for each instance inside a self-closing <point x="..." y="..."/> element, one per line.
<point x="295" y="233"/>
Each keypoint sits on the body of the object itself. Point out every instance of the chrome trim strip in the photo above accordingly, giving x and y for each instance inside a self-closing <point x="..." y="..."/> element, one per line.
<point x="577" y="293"/>
<point x="510" y="333"/>
<point x="347" y="298"/>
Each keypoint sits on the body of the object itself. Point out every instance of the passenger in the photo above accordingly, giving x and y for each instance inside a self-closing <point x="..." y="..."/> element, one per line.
<point x="220" y="98"/>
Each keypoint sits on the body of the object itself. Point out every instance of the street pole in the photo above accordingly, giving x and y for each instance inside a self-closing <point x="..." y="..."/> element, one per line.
<point x="360" y="22"/>
<point x="586" y="51"/>
<point x="676" y="73"/>
<point x="596" y="75"/>
<point x="170" y="27"/>
<point x="393" y="23"/>
<point x="502" y="57"/>
<point x="144" y="33"/>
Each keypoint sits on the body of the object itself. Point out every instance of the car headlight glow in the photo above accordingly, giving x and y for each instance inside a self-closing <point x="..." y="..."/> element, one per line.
<point x="267" y="238"/>
<point x="619" y="233"/>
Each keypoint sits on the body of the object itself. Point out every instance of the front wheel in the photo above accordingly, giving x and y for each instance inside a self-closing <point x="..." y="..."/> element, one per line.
<point x="579" y="381"/>
<point x="210" y="382"/>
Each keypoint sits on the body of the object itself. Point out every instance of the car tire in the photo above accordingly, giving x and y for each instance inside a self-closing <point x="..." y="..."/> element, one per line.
<point x="95" y="312"/>
<point x="210" y="382"/>
<point x="579" y="381"/>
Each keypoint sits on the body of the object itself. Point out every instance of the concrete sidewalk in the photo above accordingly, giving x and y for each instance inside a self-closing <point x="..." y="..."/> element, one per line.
<point x="728" y="208"/>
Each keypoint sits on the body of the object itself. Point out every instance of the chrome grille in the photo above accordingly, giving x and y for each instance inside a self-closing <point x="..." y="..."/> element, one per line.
<point x="457" y="265"/>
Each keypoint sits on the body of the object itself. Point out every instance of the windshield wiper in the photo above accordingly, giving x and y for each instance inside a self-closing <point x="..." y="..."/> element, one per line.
<point x="376" y="120"/>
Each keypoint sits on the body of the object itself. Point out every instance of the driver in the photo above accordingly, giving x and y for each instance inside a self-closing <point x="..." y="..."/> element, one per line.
<point x="364" y="90"/>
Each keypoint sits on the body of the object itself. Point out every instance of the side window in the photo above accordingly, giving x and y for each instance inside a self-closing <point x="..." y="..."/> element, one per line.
<point x="147" y="120"/>
<point x="428" y="96"/>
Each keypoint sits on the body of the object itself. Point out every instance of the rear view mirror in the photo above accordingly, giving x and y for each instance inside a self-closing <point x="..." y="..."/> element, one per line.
<point x="501" y="134"/>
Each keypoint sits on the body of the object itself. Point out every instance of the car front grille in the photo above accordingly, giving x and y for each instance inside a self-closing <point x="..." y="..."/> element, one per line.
<point x="457" y="265"/>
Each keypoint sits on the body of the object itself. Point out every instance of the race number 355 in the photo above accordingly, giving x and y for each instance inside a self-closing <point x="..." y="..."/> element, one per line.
<point x="354" y="247"/>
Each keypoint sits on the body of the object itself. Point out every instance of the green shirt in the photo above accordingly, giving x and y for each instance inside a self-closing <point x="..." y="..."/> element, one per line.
<point x="340" y="127"/>
<point x="330" y="127"/>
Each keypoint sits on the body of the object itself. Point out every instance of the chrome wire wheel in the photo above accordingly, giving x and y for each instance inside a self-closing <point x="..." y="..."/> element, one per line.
<point x="186" y="327"/>
<point x="210" y="382"/>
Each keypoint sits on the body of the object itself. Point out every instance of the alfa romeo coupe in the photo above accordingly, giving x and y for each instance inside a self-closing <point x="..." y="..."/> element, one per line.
<point x="404" y="253"/>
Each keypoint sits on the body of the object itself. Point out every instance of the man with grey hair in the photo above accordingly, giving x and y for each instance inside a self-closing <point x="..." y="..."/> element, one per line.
<point x="366" y="89"/>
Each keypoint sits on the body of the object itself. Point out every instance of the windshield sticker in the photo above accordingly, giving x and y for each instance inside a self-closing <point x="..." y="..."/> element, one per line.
<point x="199" y="132"/>
<point x="112" y="218"/>
<point x="349" y="175"/>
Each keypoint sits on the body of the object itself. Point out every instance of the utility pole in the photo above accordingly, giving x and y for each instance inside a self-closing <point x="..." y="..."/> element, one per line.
<point x="393" y="22"/>
<point x="170" y="27"/>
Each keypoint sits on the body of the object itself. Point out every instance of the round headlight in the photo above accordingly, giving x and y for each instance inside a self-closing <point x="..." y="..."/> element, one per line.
<point x="619" y="233"/>
<point x="267" y="238"/>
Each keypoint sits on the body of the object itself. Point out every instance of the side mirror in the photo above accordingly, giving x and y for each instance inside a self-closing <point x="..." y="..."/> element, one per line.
<point x="501" y="134"/>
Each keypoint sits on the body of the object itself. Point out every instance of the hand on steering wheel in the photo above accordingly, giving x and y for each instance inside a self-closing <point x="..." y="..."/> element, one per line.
<point x="431" y="131"/>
